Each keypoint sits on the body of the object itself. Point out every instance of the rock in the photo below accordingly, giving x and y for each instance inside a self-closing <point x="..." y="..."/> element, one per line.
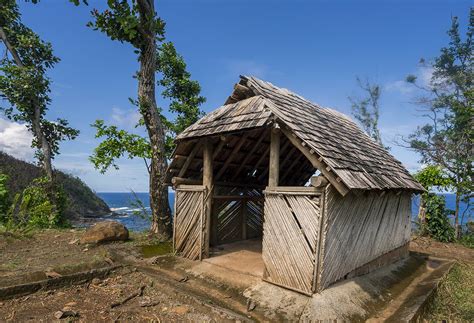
<point x="52" y="274"/>
<point x="105" y="231"/>
<point x="250" y="305"/>
<point x="96" y="281"/>
<point x="74" y="241"/>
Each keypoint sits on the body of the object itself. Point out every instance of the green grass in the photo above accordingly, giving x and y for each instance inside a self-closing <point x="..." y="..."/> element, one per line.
<point x="467" y="240"/>
<point x="454" y="299"/>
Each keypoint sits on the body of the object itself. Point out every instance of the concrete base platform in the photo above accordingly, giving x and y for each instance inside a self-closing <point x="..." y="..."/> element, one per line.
<point x="378" y="295"/>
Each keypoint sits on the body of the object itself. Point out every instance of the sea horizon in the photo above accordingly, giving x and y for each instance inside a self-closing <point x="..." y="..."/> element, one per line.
<point x="124" y="210"/>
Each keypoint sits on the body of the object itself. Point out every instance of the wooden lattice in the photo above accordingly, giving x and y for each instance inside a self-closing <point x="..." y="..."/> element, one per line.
<point x="189" y="222"/>
<point x="238" y="217"/>
<point x="290" y="239"/>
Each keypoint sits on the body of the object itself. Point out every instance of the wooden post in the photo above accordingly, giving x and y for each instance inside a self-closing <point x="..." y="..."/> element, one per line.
<point x="207" y="181"/>
<point x="274" y="166"/>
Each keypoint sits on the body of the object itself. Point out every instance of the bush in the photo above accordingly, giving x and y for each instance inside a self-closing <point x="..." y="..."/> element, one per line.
<point x="40" y="205"/>
<point x="467" y="240"/>
<point x="437" y="223"/>
<point x="4" y="201"/>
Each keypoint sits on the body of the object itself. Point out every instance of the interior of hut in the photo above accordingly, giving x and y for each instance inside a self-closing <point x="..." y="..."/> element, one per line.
<point x="240" y="174"/>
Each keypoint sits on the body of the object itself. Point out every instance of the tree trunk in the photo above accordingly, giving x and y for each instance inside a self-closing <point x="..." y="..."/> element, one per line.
<point x="161" y="213"/>
<point x="457" y="230"/>
<point x="422" y="214"/>
<point x="36" y="120"/>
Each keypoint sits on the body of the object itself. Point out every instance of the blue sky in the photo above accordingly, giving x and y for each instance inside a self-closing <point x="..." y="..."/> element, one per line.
<point x="314" y="48"/>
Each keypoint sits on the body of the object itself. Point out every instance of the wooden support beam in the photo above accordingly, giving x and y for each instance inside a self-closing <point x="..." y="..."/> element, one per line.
<point x="316" y="162"/>
<point x="274" y="164"/>
<point x="176" y="181"/>
<point x="250" y="153"/>
<point x="207" y="181"/>
<point x="188" y="161"/>
<point x="282" y="150"/>
<point x="232" y="155"/>
<point x="319" y="181"/>
<point x="222" y="142"/>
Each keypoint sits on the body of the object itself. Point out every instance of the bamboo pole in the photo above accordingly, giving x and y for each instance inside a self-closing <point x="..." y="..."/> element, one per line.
<point x="207" y="180"/>
<point x="274" y="165"/>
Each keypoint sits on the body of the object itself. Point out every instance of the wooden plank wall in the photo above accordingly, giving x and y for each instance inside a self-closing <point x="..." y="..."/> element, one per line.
<point x="290" y="239"/>
<point x="358" y="228"/>
<point x="189" y="222"/>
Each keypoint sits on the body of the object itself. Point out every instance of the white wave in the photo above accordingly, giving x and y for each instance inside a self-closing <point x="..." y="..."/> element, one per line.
<point x="119" y="209"/>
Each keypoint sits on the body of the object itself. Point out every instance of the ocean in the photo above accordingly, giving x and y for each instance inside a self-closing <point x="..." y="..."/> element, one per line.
<point x="122" y="204"/>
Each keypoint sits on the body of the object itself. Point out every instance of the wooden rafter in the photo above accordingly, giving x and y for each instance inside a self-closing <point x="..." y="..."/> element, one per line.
<point x="292" y="165"/>
<point x="311" y="156"/>
<point x="219" y="147"/>
<point x="249" y="154"/>
<point x="188" y="161"/>
<point x="232" y="155"/>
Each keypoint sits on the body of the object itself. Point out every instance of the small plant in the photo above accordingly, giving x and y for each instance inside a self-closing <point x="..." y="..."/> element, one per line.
<point x="437" y="221"/>
<point x="139" y="207"/>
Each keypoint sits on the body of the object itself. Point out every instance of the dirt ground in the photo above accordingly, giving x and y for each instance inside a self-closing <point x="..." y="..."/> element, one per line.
<point x="434" y="248"/>
<point x="21" y="259"/>
<point x="95" y="302"/>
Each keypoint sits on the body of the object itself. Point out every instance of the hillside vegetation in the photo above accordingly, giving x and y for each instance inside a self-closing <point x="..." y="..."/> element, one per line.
<point x="82" y="201"/>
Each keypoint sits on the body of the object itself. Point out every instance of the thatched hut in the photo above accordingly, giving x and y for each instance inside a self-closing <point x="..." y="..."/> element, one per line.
<point x="327" y="201"/>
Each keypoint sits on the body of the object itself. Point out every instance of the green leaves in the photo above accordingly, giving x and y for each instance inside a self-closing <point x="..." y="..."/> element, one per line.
<point x="437" y="221"/>
<point x="122" y="22"/>
<point x="117" y="143"/>
<point x="183" y="92"/>
<point x="40" y="205"/>
<point x="433" y="176"/>
<point x="24" y="84"/>
<point x="447" y="139"/>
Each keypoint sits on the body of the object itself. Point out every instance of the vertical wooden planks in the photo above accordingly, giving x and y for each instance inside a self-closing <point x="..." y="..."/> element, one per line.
<point x="188" y="222"/>
<point x="290" y="239"/>
<point x="360" y="228"/>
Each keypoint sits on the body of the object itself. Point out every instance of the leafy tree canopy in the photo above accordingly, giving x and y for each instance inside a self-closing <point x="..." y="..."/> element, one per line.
<point x="24" y="85"/>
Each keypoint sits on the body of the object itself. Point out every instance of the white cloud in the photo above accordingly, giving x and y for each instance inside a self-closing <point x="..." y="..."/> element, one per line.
<point x="125" y="118"/>
<point x="423" y="77"/>
<point x="15" y="140"/>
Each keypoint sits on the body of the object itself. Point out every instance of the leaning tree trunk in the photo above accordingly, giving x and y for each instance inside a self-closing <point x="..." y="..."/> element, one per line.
<point x="43" y="143"/>
<point x="161" y="213"/>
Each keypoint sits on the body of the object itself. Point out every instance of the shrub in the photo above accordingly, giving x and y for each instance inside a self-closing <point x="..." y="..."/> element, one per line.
<point x="4" y="198"/>
<point x="437" y="223"/>
<point x="40" y="205"/>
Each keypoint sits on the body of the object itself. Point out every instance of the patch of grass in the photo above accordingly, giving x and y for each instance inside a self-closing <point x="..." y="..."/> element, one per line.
<point x="454" y="299"/>
<point x="467" y="240"/>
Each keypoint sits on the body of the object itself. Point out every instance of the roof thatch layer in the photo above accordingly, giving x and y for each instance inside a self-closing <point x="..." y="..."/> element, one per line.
<point x="340" y="145"/>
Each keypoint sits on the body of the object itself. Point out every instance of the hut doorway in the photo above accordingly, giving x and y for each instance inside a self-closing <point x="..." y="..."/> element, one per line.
<point x="236" y="215"/>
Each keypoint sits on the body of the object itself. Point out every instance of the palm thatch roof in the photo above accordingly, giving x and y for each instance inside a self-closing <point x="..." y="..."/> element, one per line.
<point x="330" y="141"/>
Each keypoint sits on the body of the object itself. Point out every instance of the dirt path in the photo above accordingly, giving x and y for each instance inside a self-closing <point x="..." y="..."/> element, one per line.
<point x="94" y="303"/>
